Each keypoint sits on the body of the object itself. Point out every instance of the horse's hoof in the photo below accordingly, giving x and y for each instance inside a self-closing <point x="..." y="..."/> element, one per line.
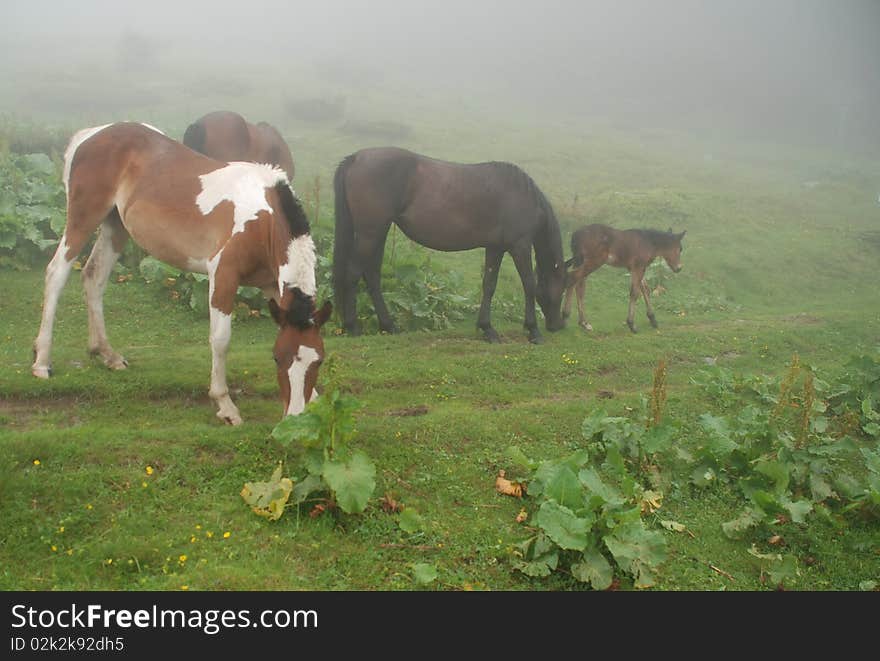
<point x="41" y="372"/>
<point x="116" y="363"/>
<point x="586" y="326"/>
<point x="632" y="327"/>
<point x="536" y="339"/>
<point x="491" y="336"/>
<point x="232" y="419"/>
<point x="653" y="322"/>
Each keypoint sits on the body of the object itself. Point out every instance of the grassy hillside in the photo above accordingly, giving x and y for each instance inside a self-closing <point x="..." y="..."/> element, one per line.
<point x="780" y="259"/>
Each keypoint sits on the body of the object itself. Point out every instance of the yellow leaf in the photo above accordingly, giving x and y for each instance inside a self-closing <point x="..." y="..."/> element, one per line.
<point x="522" y="516"/>
<point x="508" y="488"/>
<point x="651" y="501"/>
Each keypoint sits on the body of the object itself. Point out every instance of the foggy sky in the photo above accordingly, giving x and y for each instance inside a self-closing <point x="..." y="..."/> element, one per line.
<point x="809" y="68"/>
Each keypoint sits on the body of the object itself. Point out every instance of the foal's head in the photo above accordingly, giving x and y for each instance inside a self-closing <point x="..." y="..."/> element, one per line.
<point x="670" y="250"/>
<point x="299" y="348"/>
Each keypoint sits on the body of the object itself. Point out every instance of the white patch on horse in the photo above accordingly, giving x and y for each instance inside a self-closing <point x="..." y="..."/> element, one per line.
<point x="197" y="265"/>
<point x="297" y="375"/>
<point x="78" y="138"/>
<point x="299" y="270"/>
<point x="150" y="126"/>
<point x="243" y="184"/>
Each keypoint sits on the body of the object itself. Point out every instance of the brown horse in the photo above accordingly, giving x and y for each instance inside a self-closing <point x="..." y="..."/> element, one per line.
<point x="237" y="222"/>
<point x="227" y="136"/>
<point x="444" y="206"/>
<point x="595" y="245"/>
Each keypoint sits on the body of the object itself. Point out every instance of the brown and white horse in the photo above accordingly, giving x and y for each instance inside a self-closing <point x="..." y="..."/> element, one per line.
<point x="595" y="245"/>
<point x="227" y="136"/>
<point x="238" y="222"/>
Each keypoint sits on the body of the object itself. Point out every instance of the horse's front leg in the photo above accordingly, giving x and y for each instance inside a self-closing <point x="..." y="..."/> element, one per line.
<point x="646" y="294"/>
<point x="221" y="297"/>
<point x="490" y="281"/>
<point x="522" y="258"/>
<point x="635" y="291"/>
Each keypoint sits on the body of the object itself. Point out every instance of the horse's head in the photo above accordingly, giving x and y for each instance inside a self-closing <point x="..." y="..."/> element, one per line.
<point x="551" y="286"/>
<point x="299" y="348"/>
<point x="672" y="252"/>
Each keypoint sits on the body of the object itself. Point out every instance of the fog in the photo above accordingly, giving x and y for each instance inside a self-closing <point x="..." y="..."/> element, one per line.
<point x="805" y="71"/>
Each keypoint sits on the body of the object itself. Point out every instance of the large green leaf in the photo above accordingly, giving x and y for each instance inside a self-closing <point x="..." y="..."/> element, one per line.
<point x="306" y="487"/>
<point x="637" y="550"/>
<point x="798" y="509"/>
<point x="563" y="526"/>
<point x="565" y="489"/>
<point x="593" y="569"/>
<point x="353" y="481"/>
<point x="594" y="484"/>
<point x="305" y="427"/>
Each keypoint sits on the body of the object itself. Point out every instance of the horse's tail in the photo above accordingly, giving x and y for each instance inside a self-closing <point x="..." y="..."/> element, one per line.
<point x="343" y="239"/>
<point x="194" y="137"/>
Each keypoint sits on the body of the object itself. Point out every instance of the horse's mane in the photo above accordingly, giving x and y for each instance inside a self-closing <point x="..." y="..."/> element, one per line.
<point x="548" y="243"/>
<point x="658" y="238"/>
<point x="293" y="211"/>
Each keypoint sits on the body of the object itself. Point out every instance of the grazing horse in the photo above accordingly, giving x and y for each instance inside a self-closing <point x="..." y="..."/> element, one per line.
<point x="444" y="206"/>
<point x="227" y="136"/>
<point x="237" y="222"/>
<point x="595" y="245"/>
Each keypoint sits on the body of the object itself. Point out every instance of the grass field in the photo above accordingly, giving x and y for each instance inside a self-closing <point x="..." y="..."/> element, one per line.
<point x="127" y="480"/>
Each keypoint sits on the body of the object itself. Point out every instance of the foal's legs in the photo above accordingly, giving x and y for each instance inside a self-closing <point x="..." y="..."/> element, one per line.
<point x="490" y="281"/>
<point x="582" y="320"/>
<point x="647" y="296"/>
<point x="108" y="247"/>
<point x="635" y="290"/>
<point x="522" y="258"/>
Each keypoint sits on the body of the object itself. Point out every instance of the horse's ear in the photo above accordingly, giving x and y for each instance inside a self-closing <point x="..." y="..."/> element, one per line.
<point x="322" y="315"/>
<point x="276" y="311"/>
<point x="681" y="236"/>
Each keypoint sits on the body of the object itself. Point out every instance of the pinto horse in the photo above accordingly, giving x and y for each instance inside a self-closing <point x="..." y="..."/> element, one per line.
<point x="444" y="206"/>
<point x="238" y="222"/>
<point x="595" y="245"/>
<point x="227" y="136"/>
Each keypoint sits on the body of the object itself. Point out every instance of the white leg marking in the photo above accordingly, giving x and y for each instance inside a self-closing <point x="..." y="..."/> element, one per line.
<point x="57" y="273"/>
<point x="221" y="332"/>
<point x="297" y="375"/>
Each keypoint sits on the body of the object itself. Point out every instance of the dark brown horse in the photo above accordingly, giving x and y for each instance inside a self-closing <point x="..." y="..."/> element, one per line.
<point x="227" y="136"/>
<point x="445" y="206"/>
<point x="595" y="245"/>
<point x="237" y="222"/>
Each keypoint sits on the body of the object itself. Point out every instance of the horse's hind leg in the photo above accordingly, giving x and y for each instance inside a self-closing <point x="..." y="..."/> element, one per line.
<point x="490" y="281"/>
<point x="372" y="262"/>
<point x="647" y="296"/>
<point x="58" y="270"/>
<point x="582" y="320"/>
<point x="108" y="247"/>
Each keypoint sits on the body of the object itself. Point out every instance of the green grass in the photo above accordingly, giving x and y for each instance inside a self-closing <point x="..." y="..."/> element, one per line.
<point x="772" y="268"/>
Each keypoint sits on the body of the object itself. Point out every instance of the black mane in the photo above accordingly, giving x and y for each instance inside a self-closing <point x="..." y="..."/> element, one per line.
<point x="293" y="211"/>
